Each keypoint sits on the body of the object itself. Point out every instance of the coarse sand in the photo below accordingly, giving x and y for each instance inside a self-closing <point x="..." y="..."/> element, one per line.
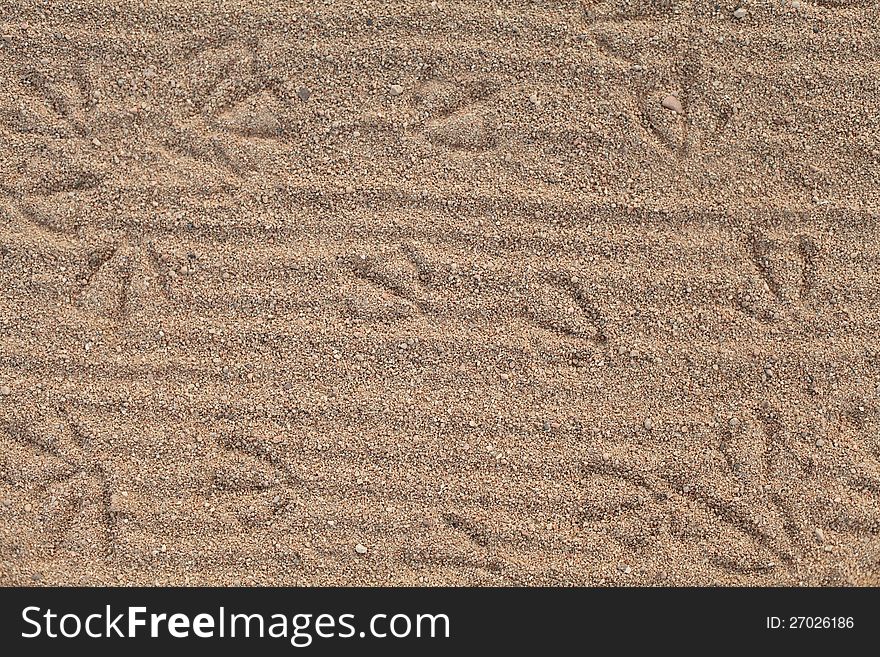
<point x="440" y="293"/>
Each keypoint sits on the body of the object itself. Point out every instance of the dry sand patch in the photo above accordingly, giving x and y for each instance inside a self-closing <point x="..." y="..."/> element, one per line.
<point x="439" y="293"/>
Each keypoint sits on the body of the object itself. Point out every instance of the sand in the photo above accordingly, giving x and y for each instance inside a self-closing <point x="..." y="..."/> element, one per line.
<point x="440" y="293"/>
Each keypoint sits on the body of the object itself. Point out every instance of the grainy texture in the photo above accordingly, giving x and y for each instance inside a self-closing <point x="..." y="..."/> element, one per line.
<point x="439" y="293"/>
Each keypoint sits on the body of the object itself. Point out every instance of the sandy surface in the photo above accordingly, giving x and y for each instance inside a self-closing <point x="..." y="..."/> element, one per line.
<point x="440" y="293"/>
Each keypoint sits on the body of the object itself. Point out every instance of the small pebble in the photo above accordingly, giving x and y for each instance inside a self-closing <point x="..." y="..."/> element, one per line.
<point x="304" y="93"/>
<point x="648" y="424"/>
<point x="672" y="103"/>
<point x="360" y="549"/>
<point x="396" y="90"/>
<point x="740" y="13"/>
<point x="820" y="535"/>
<point x="5" y="391"/>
